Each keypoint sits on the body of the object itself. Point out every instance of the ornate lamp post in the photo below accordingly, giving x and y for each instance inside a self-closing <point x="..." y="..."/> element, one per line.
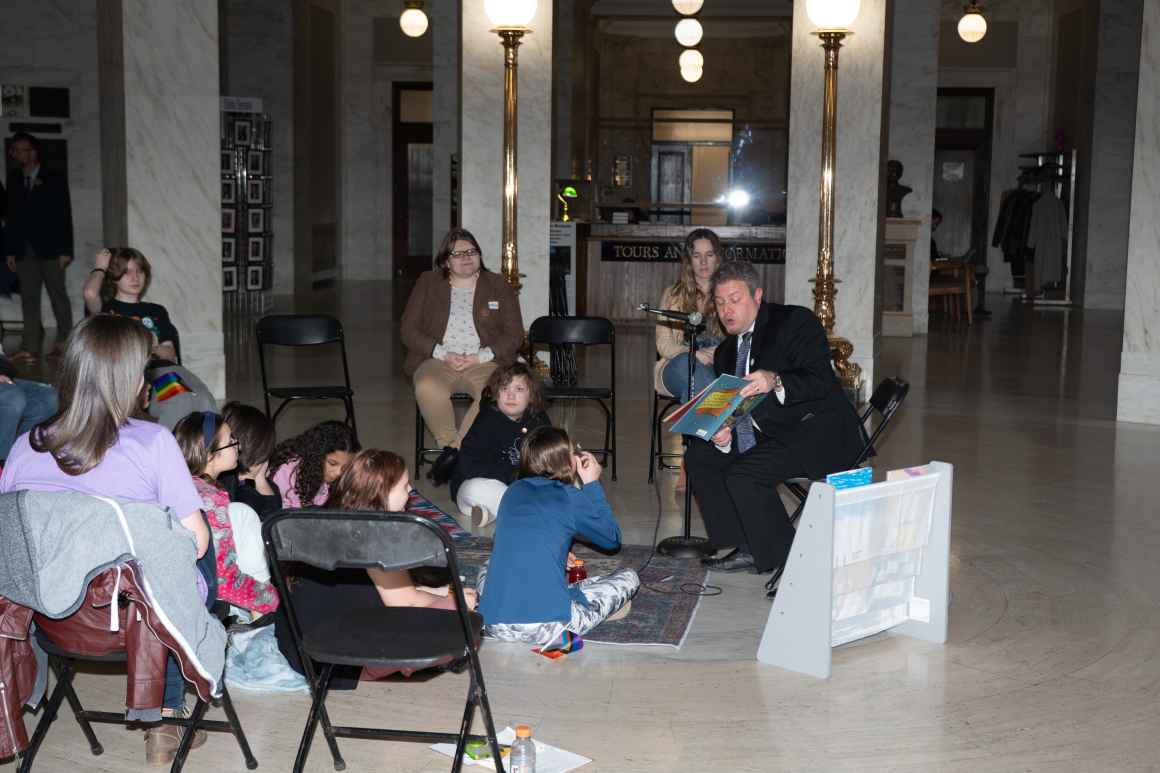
<point x="511" y="18"/>
<point x="833" y="19"/>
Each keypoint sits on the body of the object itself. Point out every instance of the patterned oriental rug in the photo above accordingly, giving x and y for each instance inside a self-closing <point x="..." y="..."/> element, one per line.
<point x="661" y="614"/>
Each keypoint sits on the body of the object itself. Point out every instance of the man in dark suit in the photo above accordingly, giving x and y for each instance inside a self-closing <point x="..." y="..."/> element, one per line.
<point x="805" y="428"/>
<point x="38" y="241"/>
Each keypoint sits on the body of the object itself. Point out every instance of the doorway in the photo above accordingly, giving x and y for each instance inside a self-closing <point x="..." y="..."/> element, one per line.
<point x="413" y="187"/>
<point x="962" y="172"/>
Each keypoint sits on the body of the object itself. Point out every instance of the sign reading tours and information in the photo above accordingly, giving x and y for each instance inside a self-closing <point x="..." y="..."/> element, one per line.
<point x="670" y="252"/>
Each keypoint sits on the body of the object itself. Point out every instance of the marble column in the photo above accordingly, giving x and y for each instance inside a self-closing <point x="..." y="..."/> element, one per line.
<point x="257" y="61"/>
<point x="1105" y="256"/>
<point x="1139" y="394"/>
<point x="160" y="144"/>
<point x="482" y="142"/>
<point x="364" y="126"/>
<point x="445" y="26"/>
<point x="913" y="102"/>
<point x="860" y="199"/>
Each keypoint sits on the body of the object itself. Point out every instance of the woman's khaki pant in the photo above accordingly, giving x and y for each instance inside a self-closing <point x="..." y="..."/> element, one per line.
<point x="435" y="382"/>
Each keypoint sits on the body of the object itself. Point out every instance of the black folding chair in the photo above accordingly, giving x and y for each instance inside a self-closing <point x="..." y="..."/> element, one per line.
<point x="658" y="459"/>
<point x="367" y="633"/>
<point x="582" y="331"/>
<point x="421" y="451"/>
<point x="61" y="661"/>
<point x="885" y="402"/>
<point x="298" y="330"/>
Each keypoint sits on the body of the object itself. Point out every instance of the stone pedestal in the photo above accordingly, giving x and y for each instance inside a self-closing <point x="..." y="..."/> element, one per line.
<point x="160" y="148"/>
<point x="482" y="74"/>
<point x="899" y="274"/>
<point x="860" y="175"/>
<point x="1139" y="392"/>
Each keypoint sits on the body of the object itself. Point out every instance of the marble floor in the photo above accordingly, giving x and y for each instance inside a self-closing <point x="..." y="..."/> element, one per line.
<point x="1052" y="659"/>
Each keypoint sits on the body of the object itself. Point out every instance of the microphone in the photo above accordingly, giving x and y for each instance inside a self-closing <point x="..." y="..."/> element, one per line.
<point x="690" y="318"/>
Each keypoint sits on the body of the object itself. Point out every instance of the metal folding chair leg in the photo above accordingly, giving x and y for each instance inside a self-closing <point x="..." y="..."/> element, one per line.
<point x="239" y="733"/>
<point x="48" y="716"/>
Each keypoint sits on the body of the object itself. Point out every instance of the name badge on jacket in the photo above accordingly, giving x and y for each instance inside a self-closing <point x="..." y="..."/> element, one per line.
<point x="493" y="305"/>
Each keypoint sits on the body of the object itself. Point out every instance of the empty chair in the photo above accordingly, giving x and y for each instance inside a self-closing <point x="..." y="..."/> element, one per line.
<point x="885" y="402"/>
<point x="300" y="330"/>
<point x="582" y="331"/>
<point x="369" y="634"/>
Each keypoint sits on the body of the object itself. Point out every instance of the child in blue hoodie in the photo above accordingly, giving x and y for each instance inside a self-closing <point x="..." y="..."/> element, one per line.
<point x="524" y="593"/>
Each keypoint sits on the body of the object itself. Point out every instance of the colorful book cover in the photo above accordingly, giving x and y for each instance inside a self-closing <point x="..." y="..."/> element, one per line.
<point x="717" y="405"/>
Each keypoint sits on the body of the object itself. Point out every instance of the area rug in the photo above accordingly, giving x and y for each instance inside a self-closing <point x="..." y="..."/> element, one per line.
<point x="420" y="505"/>
<point x="661" y="613"/>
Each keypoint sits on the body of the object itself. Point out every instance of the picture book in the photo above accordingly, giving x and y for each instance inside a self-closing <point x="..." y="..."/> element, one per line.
<point x="717" y="405"/>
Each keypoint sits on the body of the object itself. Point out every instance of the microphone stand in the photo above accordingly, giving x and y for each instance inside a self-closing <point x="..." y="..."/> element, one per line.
<point x="686" y="545"/>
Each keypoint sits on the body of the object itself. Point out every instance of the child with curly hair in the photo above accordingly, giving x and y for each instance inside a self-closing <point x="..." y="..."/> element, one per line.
<point x="304" y="466"/>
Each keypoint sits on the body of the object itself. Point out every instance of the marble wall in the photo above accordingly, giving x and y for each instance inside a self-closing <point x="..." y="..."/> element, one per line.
<point x="1139" y="389"/>
<point x="913" y="98"/>
<point x="257" y="61"/>
<point x="445" y="27"/>
<point x="168" y="93"/>
<point x="860" y="177"/>
<point x="1113" y="113"/>
<point x="482" y="73"/>
<point x="54" y="43"/>
<point x="364" y="147"/>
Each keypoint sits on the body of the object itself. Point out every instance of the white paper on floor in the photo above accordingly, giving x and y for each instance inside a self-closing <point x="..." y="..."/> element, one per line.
<point x="549" y="759"/>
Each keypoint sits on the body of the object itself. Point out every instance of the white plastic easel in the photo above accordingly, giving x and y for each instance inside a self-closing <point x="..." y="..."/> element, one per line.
<point x="865" y="560"/>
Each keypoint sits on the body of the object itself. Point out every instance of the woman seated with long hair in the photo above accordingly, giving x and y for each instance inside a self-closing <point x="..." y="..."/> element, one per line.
<point x="460" y="323"/>
<point x="93" y="445"/>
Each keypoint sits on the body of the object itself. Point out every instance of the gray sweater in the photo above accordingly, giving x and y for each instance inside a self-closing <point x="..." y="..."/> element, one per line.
<point x="52" y="544"/>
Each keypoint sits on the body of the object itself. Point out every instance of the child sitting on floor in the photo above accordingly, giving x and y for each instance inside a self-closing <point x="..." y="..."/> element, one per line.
<point x="250" y="483"/>
<point x="524" y="594"/>
<point x="243" y="574"/>
<point x="375" y="481"/>
<point x="489" y="454"/>
<point x="303" y="467"/>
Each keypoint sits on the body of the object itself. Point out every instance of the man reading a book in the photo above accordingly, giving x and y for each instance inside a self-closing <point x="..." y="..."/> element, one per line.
<point x="806" y="428"/>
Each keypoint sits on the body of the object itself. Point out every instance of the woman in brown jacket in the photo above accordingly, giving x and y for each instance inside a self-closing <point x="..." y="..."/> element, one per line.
<point x="461" y="322"/>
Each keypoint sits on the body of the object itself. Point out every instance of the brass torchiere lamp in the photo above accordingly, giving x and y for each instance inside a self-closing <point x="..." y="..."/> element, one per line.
<point x="511" y="19"/>
<point x="833" y="19"/>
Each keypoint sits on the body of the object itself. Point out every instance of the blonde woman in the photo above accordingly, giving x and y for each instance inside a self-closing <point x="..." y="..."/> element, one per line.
<point x="702" y="255"/>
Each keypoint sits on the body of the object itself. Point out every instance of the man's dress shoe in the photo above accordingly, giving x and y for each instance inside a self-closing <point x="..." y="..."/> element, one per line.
<point x="733" y="561"/>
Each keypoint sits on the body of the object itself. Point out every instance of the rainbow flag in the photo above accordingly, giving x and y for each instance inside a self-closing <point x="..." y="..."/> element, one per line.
<point x="168" y="385"/>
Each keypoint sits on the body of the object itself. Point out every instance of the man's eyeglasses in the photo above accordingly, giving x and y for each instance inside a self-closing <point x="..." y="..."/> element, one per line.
<point x="233" y="444"/>
<point x="464" y="254"/>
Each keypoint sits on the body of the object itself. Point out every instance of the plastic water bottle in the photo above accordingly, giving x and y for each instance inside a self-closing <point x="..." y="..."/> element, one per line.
<point x="523" y="756"/>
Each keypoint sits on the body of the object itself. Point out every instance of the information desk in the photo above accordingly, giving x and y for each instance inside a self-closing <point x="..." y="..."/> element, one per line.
<point x="627" y="265"/>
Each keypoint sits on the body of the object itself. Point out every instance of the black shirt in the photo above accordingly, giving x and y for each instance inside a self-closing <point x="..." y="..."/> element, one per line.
<point x="152" y="315"/>
<point x="245" y="492"/>
<point x="491" y="448"/>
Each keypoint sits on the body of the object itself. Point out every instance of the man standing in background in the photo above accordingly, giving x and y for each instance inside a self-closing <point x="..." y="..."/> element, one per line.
<point x="38" y="242"/>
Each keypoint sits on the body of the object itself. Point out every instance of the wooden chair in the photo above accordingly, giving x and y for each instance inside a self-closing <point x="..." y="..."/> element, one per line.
<point x="953" y="282"/>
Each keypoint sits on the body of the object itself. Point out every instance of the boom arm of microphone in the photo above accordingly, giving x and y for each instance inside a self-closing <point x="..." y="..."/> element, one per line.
<point x="692" y="318"/>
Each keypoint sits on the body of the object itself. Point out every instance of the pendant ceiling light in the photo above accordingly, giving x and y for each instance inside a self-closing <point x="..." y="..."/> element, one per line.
<point x="692" y="74"/>
<point x="413" y="22"/>
<point x="689" y="32"/>
<point x="687" y="7"/>
<point x="691" y="58"/>
<point x="972" y="27"/>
